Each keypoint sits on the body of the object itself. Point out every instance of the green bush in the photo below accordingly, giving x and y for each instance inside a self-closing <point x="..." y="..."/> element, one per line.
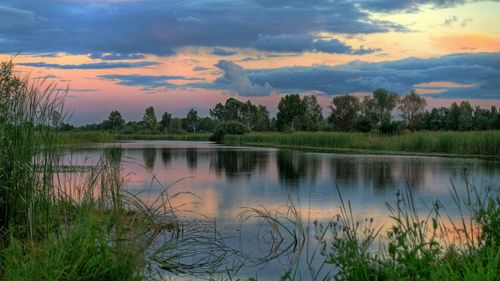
<point x="228" y="128"/>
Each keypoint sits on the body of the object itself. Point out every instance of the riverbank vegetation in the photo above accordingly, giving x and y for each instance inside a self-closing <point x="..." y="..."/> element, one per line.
<point x="383" y="121"/>
<point x="382" y="112"/>
<point x="485" y="143"/>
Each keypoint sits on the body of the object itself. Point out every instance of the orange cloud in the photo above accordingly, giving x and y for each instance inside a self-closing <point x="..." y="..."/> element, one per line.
<point x="468" y="42"/>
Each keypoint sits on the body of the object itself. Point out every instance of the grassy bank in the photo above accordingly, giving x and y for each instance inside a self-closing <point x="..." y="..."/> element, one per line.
<point x="484" y="143"/>
<point x="173" y="137"/>
<point x="79" y="137"/>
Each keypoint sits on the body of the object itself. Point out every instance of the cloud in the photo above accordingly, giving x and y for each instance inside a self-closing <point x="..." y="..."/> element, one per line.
<point x="116" y="56"/>
<point x="200" y="68"/>
<point x="411" y="5"/>
<point x="450" y="20"/>
<point x="480" y="69"/>
<point x="301" y="43"/>
<point x="160" y="27"/>
<point x="338" y="47"/>
<point x="456" y="20"/>
<point x="222" y="52"/>
<point x="236" y="80"/>
<point x="284" y="43"/>
<point x="98" y="65"/>
<point x="148" y="82"/>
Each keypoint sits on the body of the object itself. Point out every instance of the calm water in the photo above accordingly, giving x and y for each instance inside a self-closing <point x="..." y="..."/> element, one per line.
<point x="224" y="179"/>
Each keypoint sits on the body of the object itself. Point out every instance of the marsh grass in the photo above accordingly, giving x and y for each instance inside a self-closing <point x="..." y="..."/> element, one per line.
<point x="484" y="143"/>
<point x="87" y="226"/>
<point x="411" y="246"/>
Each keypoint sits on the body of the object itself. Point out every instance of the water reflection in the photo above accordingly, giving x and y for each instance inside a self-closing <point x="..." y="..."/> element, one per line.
<point x="226" y="178"/>
<point x="192" y="158"/>
<point x="295" y="167"/>
<point x="149" y="157"/>
<point x="166" y="157"/>
<point x="238" y="163"/>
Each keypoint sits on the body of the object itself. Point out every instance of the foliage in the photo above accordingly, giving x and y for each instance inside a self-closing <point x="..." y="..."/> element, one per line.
<point x="165" y="124"/>
<point x="486" y="143"/>
<point x="228" y="128"/>
<point x="389" y="127"/>
<point x="255" y="117"/>
<point x="149" y="119"/>
<point x="412" y="107"/>
<point x="345" y="110"/>
<point x="192" y="119"/>
<point x="114" y="123"/>
<point x="379" y="105"/>
<point x="415" y="248"/>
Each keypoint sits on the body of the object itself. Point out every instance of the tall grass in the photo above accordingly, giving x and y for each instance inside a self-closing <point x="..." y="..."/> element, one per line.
<point x="82" y="228"/>
<point x="485" y="143"/>
<point x="75" y="138"/>
<point x="410" y="246"/>
<point x="85" y="137"/>
<point x="26" y="152"/>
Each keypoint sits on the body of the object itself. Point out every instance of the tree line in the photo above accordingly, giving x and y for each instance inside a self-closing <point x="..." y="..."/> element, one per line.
<point x="383" y="112"/>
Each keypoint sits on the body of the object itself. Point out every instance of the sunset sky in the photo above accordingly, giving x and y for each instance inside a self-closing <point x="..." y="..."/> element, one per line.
<point x="180" y="54"/>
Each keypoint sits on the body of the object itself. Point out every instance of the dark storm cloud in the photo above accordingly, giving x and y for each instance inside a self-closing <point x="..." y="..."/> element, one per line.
<point x="302" y="43"/>
<point x="98" y="65"/>
<point x="481" y="70"/>
<point x="159" y="27"/>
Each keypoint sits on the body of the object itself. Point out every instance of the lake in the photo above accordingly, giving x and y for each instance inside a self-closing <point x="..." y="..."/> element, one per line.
<point x="218" y="182"/>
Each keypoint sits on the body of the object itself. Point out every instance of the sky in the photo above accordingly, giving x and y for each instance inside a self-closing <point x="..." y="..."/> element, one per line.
<point x="176" y="55"/>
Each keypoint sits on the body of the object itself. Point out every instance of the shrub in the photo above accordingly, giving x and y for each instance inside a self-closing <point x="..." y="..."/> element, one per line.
<point x="363" y="124"/>
<point x="390" y="127"/>
<point x="228" y="127"/>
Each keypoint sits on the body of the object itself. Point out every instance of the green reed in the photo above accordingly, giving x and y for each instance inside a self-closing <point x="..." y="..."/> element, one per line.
<point x="484" y="143"/>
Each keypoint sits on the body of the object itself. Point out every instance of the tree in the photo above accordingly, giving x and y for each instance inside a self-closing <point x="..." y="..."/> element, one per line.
<point x="255" y="117"/>
<point x="482" y="119"/>
<point x="233" y="109"/>
<point x="115" y="121"/>
<point x="248" y="113"/>
<point x="149" y="119"/>
<point x="452" y="117"/>
<point x="412" y="106"/>
<point x="176" y="125"/>
<point x="193" y="119"/>
<point x="313" y="114"/>
<point x="290" y="108"/>
<point x="345" y="110"/>
<point x="465" y="119"/>
<point x="379" y="106"/>
<point x="166" y="120"/>
<point x="261" y="121"/>
<point x="218" y="112"/>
